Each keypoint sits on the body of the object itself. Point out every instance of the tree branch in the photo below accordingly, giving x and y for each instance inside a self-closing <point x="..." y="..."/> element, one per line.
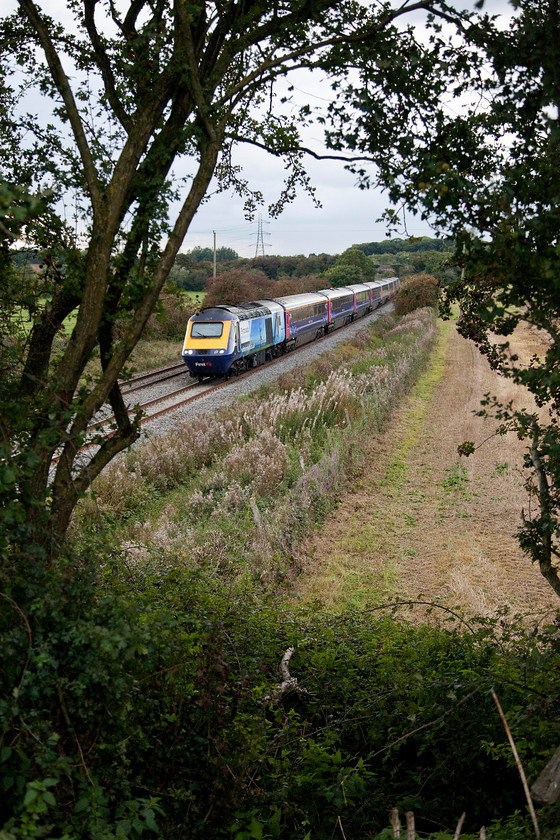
<point x="61" y="80"/>
<point x="297" y="149"/>
<point x="105" y="66"/>
<point x="545" y="551"/>
<point x="314" y="46"/>
<point x="194" y="81"/>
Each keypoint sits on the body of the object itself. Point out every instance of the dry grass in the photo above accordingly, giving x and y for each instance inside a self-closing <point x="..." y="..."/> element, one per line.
<point x="147" y="355"/>
<point x="237" y="492"/>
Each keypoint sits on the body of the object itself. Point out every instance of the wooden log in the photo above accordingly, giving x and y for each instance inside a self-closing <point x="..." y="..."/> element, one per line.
<point x="289" y="684"/>
<point x="546" y="788"/>
<point x="396" y="823"/>
<point x="284" y="669"/>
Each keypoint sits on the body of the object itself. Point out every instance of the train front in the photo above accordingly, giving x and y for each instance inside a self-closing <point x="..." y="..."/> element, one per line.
<point x="210" y="346"/>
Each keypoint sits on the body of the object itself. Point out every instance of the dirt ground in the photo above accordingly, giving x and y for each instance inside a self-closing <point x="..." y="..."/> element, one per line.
<point x="426" y="523"/>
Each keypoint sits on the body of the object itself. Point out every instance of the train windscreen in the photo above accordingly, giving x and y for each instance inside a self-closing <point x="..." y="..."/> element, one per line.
<point x="207" y="329"/>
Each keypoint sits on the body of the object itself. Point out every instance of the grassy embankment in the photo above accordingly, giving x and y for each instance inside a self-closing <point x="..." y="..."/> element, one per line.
<point x="236" y="493"/>
<point x="363" y="567"/>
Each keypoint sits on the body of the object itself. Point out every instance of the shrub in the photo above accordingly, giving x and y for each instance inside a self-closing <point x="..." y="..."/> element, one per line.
<point x="417" y="291"/>
<point x="237" y="285"/>
<point x="136" y="700"/>
<point x="169" y="321"/>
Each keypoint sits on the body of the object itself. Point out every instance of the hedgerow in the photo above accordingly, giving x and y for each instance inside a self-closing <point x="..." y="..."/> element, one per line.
<point x="146" y="702"/>
<point x="418" y="290"/>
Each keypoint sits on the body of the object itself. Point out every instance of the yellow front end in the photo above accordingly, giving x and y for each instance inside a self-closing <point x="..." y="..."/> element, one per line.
<point x="207" y="342"/>
<point x="206" y="350"/>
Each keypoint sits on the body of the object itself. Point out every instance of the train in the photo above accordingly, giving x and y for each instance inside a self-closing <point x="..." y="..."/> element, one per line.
<point x="228" y="340"/>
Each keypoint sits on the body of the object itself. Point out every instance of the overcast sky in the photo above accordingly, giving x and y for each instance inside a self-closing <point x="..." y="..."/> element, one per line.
<point x="348" y="215"/>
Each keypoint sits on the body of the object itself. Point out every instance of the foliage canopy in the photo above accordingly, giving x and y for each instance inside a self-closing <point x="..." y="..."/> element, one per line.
<point x="352" y="266"/>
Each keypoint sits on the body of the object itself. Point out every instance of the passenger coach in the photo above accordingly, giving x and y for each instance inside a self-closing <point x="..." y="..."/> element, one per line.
<point x="306" y="317"/>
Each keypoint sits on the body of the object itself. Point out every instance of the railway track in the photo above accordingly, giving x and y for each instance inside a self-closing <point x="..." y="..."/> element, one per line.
<point x="166" y="403"/>
<point x="173" y="400"/>
<point x="151" y="377"/>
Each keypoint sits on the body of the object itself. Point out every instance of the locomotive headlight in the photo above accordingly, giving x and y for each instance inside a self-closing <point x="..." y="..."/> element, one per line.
<point x="221" y="351"/>
<point x="189" y="352"/>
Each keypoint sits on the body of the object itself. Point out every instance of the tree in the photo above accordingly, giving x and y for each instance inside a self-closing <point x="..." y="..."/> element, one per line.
<point x="487" y="177"/>
<point x="238" y="285"/>
<point x="396" y="246"/>
<point x="127" y="92"/>
<point x="198" y="254"/>
<point x="352" y="266"/>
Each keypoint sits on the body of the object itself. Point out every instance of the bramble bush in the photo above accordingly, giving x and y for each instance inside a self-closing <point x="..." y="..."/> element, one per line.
<point x="169" y="321"/>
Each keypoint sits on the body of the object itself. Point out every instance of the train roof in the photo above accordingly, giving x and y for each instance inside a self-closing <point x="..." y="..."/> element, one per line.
<point x="358" y="287"/>
<point x="334" y="294"/>
<point x="293" y="301"/>
<point x="241" y="311"/>
<point x="272" y="305"/>
<point x="260" y="308"/>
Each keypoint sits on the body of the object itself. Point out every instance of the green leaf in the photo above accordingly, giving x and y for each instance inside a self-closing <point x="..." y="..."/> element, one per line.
<point x="123" y="828"/>
<point x="82" y="804"/>
<point x="30" y="796"/>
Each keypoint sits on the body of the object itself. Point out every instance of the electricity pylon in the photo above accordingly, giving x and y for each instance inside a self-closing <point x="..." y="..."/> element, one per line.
<point x="259" y="250"/>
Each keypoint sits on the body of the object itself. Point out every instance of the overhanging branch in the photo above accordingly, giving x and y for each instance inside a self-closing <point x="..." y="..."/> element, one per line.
<point x="105" y="66"/>
<point x="63" y="85"/>
<point x="300" y="149"/>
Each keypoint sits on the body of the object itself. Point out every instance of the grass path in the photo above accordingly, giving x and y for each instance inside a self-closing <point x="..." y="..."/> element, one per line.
<point x="423" y="522"/>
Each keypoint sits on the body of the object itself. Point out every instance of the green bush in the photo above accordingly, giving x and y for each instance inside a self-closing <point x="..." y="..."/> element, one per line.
<point x="417" y="291"/>
<point x="169" y="321"/>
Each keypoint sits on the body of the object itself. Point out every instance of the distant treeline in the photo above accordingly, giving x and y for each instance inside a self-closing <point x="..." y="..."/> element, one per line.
<point x="403" y="256"/>
<point x="397" y="246"/>
<point x="193" y="270"/>
<point x="191" y="274"/>
<point x="198" y="254"/>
